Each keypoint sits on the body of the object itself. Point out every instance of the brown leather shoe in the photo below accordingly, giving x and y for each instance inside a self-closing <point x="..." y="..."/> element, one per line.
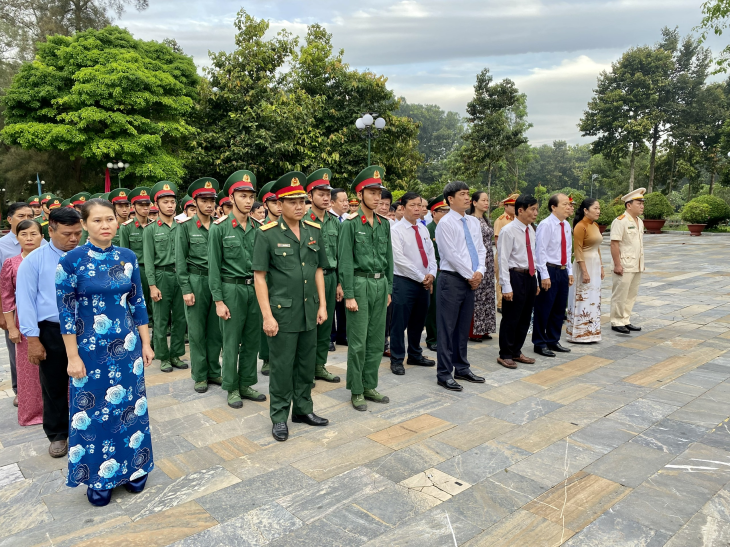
<point x="507" y="363"/>
<point x="58" y="449"/>
<point x="15" y="402"/>
<point x="523" y="359"/>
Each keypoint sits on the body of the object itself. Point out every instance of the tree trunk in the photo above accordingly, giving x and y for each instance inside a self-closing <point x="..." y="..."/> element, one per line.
<point x="517" y="177"/>
<point x="489" y="182"/>
<point x="671" y="175"/>
<point x="712" y="180"/>
<point x="652" y="161"/>
<point x="631" y="168"/>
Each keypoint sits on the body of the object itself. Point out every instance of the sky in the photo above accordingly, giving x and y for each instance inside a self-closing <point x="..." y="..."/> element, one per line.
<point x="431" y="50"/>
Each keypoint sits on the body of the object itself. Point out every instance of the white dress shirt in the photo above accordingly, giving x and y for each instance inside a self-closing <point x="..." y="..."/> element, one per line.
<point x="512" y="251"/>
<point x="407" y="261"/>
<point x="340" y="217"/>
<point x="452" y="244"/>
<point x="547" y="247"/>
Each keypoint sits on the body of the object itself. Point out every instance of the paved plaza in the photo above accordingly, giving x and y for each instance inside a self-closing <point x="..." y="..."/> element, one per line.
<point x="624" y="442"/>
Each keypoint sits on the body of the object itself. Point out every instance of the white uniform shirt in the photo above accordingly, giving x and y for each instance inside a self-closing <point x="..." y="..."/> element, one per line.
<point x="547" y="247"/>
<point x="513" y="251"/>
<point x="451" y="242"/>
<point x="407" y="261"/>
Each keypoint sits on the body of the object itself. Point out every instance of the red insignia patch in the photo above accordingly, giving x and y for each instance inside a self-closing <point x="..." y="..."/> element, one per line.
<point x="234" y="223"/>
<point x="364" y="220"/>
<point x="159" y="223"/>
<point x="379" y="221"/>
<point x="136" y="223"/>
<point x="200" y="223"/>
<point x="312" y="216"/>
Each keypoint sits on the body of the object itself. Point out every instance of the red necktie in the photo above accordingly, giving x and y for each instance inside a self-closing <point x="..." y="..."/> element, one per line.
<point x="563" y="247"/>
<point x="530" y="260"/>
<point x="421" y="250"/>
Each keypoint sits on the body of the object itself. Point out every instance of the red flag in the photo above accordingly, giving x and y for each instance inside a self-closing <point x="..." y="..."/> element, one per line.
<point x="107" y="182"/>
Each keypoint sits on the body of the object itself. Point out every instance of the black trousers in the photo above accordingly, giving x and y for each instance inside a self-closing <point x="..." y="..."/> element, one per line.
<point x="339" y="325"/>
<point x="410" y="308"/>
<point x="550" y="309"/>
<point x="455" y="303"/>
<point x="54" y="382"/>
<point x="516" y="314"/>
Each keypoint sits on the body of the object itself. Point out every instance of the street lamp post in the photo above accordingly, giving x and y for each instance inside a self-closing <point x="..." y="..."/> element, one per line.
<point x="117" y="167"/>
<point x="593" y="177"/>
<point x="366" y="123"/>
<point x="37" y="181"/>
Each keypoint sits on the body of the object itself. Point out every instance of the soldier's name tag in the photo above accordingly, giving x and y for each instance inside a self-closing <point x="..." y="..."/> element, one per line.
<point x="363" y="233"/>
<point x="632" y="227"/>
<point x="283" y="244"/>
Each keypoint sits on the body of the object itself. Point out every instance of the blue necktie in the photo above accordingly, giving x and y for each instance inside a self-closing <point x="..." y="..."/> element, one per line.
<point x="470" y="245"/>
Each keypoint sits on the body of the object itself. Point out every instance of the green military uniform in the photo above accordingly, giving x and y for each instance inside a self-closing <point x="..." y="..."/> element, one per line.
<point x="191" y="262"/>
<point x="187" y="201"/>
<point x="366" y="274"/>
<point x="51" y="202"/>
<point x="291" y="265"/>
<point x="35" y="201"/>
<point x="330" y="233"/>
<point x="120" y="195"/>
<point x="159" y="260"/>
<point x="433" y="205"/>
<point x="230" y="252"/>
<point x="130" y="237"/>
<point x="66" y="203"/>
<point x="265" y="195"/>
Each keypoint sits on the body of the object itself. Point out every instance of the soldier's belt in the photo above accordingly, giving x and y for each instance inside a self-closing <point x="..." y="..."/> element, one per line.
<point x="330" y="271"/>
<point x="237" y="280"/>
<point x="549" y="265"/>
<point x="369" y="275"/>
<point x="197" y="271"/>
<point x="170" y="268"/>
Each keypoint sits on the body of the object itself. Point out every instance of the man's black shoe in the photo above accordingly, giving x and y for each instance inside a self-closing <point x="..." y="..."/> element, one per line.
<point x="557" y="347"/>
<point x="309" y="419"/>
<point x="332" y="346"/>
<point x="422" y="362"/>
<point x="622" y="330"/>
<point x="469" y="377"/>
<point x="544" y="352"/>
<point x="397" y="370"/>
<point x="280" y="431"/>
<point x="450" y="384"/>
<point x="341" y="342"/>
<point x="432" y="347"/>
<point x="632" y="327"/>
<point x="499" y="310"/>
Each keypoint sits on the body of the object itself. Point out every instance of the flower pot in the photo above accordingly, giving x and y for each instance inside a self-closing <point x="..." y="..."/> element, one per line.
<point x="696" y="229"/>
<point x="602" y="227"/>
<point x="654" y="226"/>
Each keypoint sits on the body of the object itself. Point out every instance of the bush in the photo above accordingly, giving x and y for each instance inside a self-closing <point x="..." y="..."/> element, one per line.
<point x="619" y="209"/>
<point x="607" y="213"/>
<point x="675" y="198"/>
<point x="719" y="210"/>
<point x="696" y="213"/>
<point x="497" y="213"/>
<point x="657" y="206"/>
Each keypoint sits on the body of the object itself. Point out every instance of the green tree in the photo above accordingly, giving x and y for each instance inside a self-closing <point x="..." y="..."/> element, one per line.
<point x="716" y="15"/>
<point x="101" y="94"/>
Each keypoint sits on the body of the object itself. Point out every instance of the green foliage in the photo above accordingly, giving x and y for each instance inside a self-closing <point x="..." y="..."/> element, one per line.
<point x="657" y="206"/>
<point x="397" y="194"/>
<point x="696" y="213"/>
<point x="716" y="14"/>
<point x="101" y="95"/>
<point x="619" y="209"/>
<point x="557" y="166"/>
<point x="719" y="210"/>
<point x="498" y="212"/>
<point x="676" y="200"/>
<point x="608" y="214"/>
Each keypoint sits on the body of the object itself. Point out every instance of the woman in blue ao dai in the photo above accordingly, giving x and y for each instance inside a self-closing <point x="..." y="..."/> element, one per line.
<point x="104" y="327"/>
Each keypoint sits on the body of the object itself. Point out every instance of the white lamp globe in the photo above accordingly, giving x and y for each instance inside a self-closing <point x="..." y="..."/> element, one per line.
<point x="109" y="165"/>
<point x="126" y="165"/>
<point x="360" y="124"/>
<point x="120" y="165"/>
<point x="380" y="123"/>
<point x="367" y="119"/>
<point x="43" y="182"/>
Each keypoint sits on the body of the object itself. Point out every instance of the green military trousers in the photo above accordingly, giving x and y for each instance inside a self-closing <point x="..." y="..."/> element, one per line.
<point x="292" y="370"/>
<point x="146" y="293"/>
<point x="172" y="302"/>
<point x="431" y="317"/>
<point x="263" y="345"/>
<point x="324" y="331"/>
<point x="366" y="333"/>
<point x="240" y="336"/>
<point x="204" y="332"/>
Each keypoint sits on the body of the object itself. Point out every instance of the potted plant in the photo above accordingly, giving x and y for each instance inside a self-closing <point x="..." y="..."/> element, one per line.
<point x="607" y="215"/>
<point x="719" y="210"/>
<point x="656" y="210"/>
<point x="696" y="214"/>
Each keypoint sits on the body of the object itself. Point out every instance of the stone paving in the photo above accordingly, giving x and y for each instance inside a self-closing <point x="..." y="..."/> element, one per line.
<point x="624" y="442"/>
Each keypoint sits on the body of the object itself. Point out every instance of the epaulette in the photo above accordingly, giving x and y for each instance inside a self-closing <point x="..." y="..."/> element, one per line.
<point x="268" y="226"/>
<point x="128" y="222"/>
<point x="352" y="215"/>
<point x="44" y="223"/>
<point x="182" y="220"/>
<point x="314" y="224"/>
<point x="224" y="217"/>
<point x="502" y="216"/>
<point x="622" y="216"/>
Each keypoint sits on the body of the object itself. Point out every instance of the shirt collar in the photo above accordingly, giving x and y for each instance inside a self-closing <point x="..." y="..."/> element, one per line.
<point x="521" y="225"/>
<point x="56" y="250"/>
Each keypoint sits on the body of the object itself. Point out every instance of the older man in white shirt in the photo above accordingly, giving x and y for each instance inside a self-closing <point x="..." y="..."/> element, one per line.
<point x="414" y="270"/>
<point x="553" y="248"/>
<point x="463" y="257"/>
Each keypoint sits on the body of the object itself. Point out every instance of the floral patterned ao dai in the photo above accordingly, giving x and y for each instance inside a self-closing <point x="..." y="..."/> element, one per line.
<point x="584" y="299"/>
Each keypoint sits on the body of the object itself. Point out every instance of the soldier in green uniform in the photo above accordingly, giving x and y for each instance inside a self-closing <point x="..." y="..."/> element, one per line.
<point x="438" y="208"/>
<point x="223" y="202"/>
<point x="45" y="198"/>
<point x="159" y="261"/>
<point x="121" y="204"/>
<point x="154" y="213"/>
<point x="76" y="201"/>
<point x="52" y="203"/>
<point x="292" y="301"/>
<point x="269" y="199"/>
<point x="191" y="261"/>
<point x="130" y="234"/>
<point x="319" y="191"/>
<point x="366" y="275"/>
<point x="230" y="251"/>
<point x="35" y="205"/>
<point x="189" y="207"/>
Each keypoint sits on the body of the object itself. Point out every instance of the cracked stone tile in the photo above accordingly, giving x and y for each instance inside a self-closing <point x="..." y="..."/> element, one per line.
<point x="436" y="483"/>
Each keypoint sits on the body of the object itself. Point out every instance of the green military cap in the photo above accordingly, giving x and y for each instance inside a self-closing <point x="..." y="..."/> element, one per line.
<point x="240" y="180"/>
<point x="163" y="189"/>
<point x="120" y="195"/>
<point x="34" y="200"/>
<point x="54" y="203"/>
<point x="319" y="180"/>
<point x="206" y="186"/>
<point x="222" y="198"/>
<point x="370" y="177"/>
<point x="187" y="201"/>
<point x="66" y="203"/>
<point x="46" y="197"/>
<point x="290" y="185"/>
<point x="437" y="203"/>
<point x="141" y="194"/>
<point x="99" y="195"/>
<point x="265" y="194"/>
<point x="80" y="198"/>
